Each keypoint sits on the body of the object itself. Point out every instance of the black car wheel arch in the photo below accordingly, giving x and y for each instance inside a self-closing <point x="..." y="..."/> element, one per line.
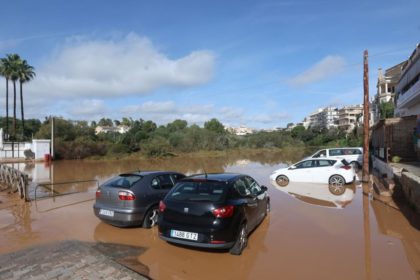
<point x="241" y="241"/>
<point x="152" y="213"/>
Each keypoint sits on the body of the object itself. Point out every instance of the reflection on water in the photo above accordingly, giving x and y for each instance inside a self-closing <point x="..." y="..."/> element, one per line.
<point x="318" y="194"/>
<point x="297" y="241"/>
<point x="390" y="223"/>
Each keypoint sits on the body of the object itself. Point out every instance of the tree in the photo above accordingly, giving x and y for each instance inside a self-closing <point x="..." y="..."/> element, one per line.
<point x="26" y="73"/>
<point x="176" y="125"/>
<point x="5" y="72"/>
<point x="105" y="122"/>
<point x="386" y="110"/>
<point x="297" y="131"/>
<point x="13" y="67"/>
<point x="126" y="121"/>
<point x="214" y="125"/>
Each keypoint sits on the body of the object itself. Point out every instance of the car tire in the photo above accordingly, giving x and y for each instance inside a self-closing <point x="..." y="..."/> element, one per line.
<point x="151" y="217"/>
<point x="268" y="208"/>
<point x="282" y="180"/>
<point x="336" y="184"/>
<point x="241" y="241"/>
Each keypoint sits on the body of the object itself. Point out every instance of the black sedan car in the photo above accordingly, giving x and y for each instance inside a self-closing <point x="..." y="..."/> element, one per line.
<point x="213" y="211"/>
<point x="132" y="199"/>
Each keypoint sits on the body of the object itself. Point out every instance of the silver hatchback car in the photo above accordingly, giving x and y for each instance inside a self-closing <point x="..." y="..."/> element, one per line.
<point x="132" y="199"/>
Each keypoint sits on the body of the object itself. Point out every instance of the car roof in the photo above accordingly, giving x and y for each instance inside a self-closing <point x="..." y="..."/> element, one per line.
<point x="150" y="172"/>
<point x="320" y="158"/>
<point x="222" y="177"/>
<point x="340" y="148"/>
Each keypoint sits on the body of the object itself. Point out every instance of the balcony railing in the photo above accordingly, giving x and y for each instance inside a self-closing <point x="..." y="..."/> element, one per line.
<point x="410" y="97"/>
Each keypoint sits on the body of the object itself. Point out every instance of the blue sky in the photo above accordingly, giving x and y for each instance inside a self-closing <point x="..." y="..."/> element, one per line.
<point x="261" y="64"/>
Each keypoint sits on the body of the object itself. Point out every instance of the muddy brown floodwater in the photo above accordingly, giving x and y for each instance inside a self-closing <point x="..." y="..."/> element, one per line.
<point x="309" y="234"/>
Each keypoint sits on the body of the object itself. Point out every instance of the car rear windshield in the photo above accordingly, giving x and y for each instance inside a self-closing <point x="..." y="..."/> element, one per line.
<point x="125" y="181"/>
<point x="345" y="162"/>
<point x="199" y="191"/>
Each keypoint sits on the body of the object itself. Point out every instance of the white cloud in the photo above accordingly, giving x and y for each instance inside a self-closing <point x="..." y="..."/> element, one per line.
<point x="270" y="118"/>
<point x="109" y="68"/>
<point x="88" y="108"/>
<point x="325" y="68"/>
<point x="151" y="107"/>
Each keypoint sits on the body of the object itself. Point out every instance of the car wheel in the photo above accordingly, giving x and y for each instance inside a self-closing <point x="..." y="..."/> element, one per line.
<point x="241" y="241"/>
<point x="337" y="185"/>
<point x="282" y="180"/>
<point x="151" y="218"/>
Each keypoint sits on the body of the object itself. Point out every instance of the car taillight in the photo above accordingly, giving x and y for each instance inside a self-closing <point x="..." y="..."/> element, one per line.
<point x="162" y="206"/>
<point x="346" y="167"/>
<point x="223" y="212"/>
<point x="123" y="195"/>
<point x="98" y="193"/>
<point x="217" y="242"/>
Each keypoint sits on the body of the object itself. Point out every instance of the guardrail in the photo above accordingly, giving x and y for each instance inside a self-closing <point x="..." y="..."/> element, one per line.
<point x="51" y="187"/>
<point x="14" y="180"/>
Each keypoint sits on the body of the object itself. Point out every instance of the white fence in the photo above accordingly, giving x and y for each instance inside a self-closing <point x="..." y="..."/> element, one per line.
<point x="14" y="149"/>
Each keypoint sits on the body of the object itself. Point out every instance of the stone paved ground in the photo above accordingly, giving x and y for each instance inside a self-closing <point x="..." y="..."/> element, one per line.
<point x="72" y="260"/>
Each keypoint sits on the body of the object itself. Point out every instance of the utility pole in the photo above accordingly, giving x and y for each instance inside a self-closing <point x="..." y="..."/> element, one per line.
<point x="365" y="172"/>
<point x="52" y="138"/>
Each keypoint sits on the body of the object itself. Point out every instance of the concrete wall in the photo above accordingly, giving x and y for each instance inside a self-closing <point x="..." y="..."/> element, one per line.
<point x="411" y="188"/>
<point x="396" y="136"/>
<point x="382" y="167"/>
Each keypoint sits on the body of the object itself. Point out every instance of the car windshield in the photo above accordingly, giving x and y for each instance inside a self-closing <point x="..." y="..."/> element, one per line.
<point x="199" y="191"/>
<point x="125" y="181"/>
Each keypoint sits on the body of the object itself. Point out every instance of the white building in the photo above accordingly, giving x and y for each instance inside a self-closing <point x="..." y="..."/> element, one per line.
<point x="349" y="117"/>
<point x="385" y="86"/>
<point x="329" y="117"/>
<point x="408" y="87"/>
<point x="241" y="130"/>
<point x="322" y="118"/>
<point x="315" y="119"/>
<point x="119" y="129"/>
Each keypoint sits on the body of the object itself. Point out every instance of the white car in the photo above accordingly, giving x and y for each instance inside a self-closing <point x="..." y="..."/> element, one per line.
<point x="326" y="170"/>
<point x="352" y="155"/>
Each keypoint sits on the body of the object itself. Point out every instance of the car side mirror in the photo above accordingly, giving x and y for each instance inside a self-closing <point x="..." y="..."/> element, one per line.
<point x="292" y="167"/>
<point x="264" y="188"/>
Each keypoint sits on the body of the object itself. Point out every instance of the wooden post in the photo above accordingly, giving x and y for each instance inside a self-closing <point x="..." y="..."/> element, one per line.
<point x="365" y="173"/>
<point x="52" y="138"/>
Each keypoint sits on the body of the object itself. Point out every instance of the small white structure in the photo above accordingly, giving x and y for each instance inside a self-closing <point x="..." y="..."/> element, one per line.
<point x="41" y="147"/>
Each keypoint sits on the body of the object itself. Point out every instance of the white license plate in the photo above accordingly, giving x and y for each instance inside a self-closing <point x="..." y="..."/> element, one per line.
<point x="108" y="213"/>
<point x="184" y="235"/>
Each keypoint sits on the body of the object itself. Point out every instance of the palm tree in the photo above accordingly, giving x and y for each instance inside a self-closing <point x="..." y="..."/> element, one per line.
<point x="26" y="74"/>
<point x="4" y="71"/>
<point x="14" y="63"/>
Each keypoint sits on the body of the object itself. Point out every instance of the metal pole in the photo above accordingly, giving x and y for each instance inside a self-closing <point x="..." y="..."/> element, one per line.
<point x="365" y="173"/>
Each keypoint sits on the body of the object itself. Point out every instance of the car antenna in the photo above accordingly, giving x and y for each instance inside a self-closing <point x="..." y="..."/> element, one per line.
<point x="205" y="174"/>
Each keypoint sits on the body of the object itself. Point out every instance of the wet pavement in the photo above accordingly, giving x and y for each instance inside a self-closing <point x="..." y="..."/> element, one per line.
<point x="66" y="260"/>
<point x="309" y="233"/>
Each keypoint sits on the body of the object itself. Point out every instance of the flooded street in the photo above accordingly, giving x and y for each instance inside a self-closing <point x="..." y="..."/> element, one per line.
<point x="309" y="234"/>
